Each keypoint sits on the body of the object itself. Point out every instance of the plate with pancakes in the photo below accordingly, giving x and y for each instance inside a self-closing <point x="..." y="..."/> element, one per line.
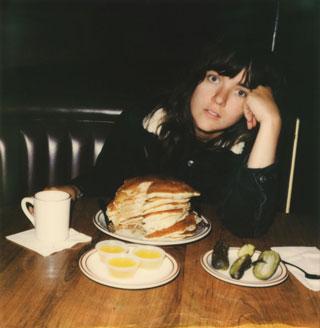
<point x="154" y="211"/>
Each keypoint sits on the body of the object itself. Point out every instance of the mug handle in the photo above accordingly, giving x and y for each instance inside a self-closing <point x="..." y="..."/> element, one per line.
<point x="25" y="210"/>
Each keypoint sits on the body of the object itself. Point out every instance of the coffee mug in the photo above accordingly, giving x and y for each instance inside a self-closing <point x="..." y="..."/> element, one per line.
<point x="51" y="213"/>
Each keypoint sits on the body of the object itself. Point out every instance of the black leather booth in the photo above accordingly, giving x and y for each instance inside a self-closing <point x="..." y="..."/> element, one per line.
<point x="46" y="146"/>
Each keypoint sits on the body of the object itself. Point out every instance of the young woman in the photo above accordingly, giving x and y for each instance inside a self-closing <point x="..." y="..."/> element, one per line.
<point x="218" y="132"/>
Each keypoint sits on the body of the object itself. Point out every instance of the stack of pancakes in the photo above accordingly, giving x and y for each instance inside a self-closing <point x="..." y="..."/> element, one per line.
<point x="154" y="208"/>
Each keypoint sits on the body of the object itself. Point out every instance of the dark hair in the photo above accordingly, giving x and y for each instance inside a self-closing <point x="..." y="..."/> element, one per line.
<point x="227" y="59"/>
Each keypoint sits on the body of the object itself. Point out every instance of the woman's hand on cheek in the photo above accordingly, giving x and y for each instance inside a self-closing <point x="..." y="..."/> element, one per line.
<point x="250" y="118"/>
<point x="261" y="107"/>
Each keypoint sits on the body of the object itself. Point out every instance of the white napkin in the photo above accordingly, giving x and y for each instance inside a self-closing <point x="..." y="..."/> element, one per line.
<point x="28" y="239"/>
<point x="307" y="258"/>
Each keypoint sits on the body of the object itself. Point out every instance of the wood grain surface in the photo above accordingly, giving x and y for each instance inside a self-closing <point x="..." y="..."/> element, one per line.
<point x="52" y="292"/>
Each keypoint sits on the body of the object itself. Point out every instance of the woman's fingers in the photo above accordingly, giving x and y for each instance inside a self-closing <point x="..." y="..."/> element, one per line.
<point x="262" y="105"/>
<point x="254" y="122"/>
<point x="251" y="120"/>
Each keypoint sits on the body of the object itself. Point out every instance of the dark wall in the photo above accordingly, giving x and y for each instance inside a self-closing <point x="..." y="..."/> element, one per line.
<point x="114" y="53"/>
<point x="97" y="52"/>
<point x="298" y="45"/>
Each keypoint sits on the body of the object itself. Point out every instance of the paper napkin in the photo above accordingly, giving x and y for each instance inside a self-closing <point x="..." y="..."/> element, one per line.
<point x="28" y="239"/>
<point x="307" y="258"/>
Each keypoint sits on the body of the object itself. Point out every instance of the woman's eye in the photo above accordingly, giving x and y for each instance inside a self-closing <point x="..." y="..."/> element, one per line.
<point x="213" y="78"/>
<point x="242" y="93"/>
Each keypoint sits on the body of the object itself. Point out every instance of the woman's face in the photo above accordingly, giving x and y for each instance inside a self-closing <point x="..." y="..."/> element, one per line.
<point x="217" y="103"/>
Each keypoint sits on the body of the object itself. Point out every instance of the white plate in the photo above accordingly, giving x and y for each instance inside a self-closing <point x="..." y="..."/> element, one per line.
<point x="248" y="279"/>
<point x="91" y="265"/>
<point x="202" y="231"/>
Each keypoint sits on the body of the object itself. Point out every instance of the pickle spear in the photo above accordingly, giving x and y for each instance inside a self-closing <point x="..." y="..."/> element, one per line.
<point x="266" y="265"/>
<point x="220" y="260"/>
<point x="239" y="266"/>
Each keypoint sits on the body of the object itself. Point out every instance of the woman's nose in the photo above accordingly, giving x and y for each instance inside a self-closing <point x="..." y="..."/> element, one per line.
<point x="220" y="97"/>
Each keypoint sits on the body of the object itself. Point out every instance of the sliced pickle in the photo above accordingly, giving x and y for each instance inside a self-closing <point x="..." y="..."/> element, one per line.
<point x="266" y="265"/>
<point x="246" y="249"/>
<point x="239" y="266"/>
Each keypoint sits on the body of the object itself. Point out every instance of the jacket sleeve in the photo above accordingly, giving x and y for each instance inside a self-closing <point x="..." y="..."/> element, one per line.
<point x="250" y="201"/>
<point x="116" y="160"/>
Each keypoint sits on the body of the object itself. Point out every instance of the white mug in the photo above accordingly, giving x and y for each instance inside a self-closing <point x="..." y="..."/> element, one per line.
<point x="51" y="213"/>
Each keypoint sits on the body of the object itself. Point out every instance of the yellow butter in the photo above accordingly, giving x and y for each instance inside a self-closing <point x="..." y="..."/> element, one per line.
<point x="148" y="254"/>
<point x="111" y="249"/>
<point x="122" y="262"/>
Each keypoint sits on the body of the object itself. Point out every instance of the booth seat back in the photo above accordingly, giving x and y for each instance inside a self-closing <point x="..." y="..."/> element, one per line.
<point x="49" y="146"/>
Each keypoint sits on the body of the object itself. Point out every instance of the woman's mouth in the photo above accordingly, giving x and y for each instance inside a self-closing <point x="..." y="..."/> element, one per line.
<point x="213" y="114"/>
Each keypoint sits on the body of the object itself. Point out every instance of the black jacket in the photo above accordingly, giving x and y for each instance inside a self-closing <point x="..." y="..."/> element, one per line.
<point x="245" y="197"/>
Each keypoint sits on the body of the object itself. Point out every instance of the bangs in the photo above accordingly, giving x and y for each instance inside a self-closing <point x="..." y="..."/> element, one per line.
<point x="228" y="65"/>
<point x="258" y="65"/>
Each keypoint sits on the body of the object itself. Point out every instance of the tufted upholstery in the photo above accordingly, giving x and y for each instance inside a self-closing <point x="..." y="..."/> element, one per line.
<point x="46" y="146"/>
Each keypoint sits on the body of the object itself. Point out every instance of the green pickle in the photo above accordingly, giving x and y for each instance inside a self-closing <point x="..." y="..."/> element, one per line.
<point x="239" y="266"/>
<point x="266" y="265"/>
<point x="246" y="249"/>
<point x="220" y="260"/>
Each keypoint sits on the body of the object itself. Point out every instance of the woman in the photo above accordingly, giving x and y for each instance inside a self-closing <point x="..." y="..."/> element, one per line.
<point x="218" y="132"/>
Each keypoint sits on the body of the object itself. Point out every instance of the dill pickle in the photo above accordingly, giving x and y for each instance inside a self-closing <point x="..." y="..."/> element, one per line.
<point x="246" y="249"/>
<point x="239" y="266"/>
<point x="220" y="260"/>
<point x="266" y="265"/>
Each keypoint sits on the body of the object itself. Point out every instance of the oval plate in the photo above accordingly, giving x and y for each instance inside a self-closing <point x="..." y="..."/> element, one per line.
<point x="203" y="230"/>
<point x="91" y="266"/>
<point x="248" y="279"/>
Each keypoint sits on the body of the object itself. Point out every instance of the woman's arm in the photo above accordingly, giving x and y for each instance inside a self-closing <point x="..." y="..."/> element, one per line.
<point x="251" y="199"/>
<point x="261" y="108"/>
<point x="250" y="202"/>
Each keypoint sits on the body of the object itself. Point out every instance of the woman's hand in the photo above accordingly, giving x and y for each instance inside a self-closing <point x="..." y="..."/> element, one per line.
<point x="260" y="107"/>
<point x="72" y="190"/>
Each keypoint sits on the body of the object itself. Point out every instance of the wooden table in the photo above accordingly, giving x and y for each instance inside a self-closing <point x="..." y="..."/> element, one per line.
<point x="51" y="291"/>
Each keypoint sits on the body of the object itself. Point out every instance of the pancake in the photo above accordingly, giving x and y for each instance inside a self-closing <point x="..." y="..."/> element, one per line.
<point x="179" y="230"/>
<point x="156" y="207"/>
<point x="166" y="207"/>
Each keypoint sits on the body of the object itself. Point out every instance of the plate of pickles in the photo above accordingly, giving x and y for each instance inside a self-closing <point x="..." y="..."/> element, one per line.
<point x="244" y="266"/>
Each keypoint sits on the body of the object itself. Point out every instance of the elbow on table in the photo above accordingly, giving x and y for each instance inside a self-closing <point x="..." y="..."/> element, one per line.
<point x="244" y="228"/>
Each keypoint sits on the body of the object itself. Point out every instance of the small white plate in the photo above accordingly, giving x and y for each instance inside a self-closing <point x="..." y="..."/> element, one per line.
<point x="91" y="265"/>
<point x="248" y="279"/>
<point x="202" y="230"/>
